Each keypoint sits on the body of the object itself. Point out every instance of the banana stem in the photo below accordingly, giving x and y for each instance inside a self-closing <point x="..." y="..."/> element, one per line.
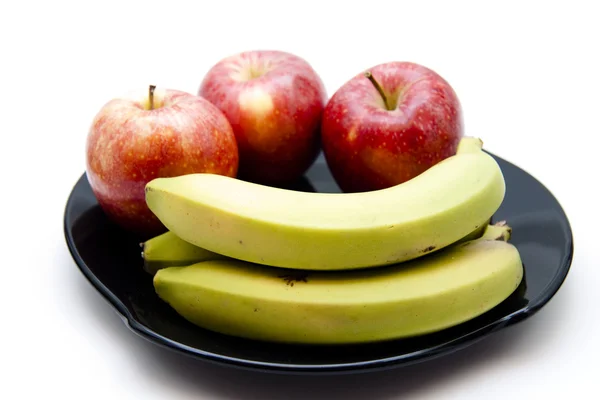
<point x="498" y="231"/>
<point x="469" y="144"/>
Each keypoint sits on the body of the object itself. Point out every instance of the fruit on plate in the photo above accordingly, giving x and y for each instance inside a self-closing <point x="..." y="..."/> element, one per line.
<point x="333" y="231"/>
<point x="420" y="296"/>
<point x="148" y="134"/>
<point x="274" y="101"/>
<point x="388" y="125"/>
<point x="168" y="250"/>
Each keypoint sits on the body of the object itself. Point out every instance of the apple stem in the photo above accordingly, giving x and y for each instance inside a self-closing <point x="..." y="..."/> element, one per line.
<point x="369" y="76"/>
<point x="151" y="96"/>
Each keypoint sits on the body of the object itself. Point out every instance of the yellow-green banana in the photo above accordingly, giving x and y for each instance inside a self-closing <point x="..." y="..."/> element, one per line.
<point x="333" y="231"/>
<point x="168" y="250"/>
<point x="416" y="297"/>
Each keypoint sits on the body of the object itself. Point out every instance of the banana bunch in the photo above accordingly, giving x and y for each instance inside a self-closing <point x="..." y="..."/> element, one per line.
<point x="271" y="264"/>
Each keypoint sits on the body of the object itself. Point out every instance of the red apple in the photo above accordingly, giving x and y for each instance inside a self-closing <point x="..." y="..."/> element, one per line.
<point x="274" y="102"/>
<point x="150" y="134"/>
<point x="388" y="125"/>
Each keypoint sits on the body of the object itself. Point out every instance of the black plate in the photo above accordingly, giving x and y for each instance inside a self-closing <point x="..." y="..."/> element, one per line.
<point x="110" y="259"/>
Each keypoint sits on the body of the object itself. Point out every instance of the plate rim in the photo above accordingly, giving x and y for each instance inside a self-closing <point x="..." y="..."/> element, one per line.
<point x="404" y="359"/>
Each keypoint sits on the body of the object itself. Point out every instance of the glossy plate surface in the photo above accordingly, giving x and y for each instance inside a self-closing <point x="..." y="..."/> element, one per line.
<point x="110" y="259"/>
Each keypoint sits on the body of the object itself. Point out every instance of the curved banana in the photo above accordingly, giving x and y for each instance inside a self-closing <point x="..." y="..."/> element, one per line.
<point x="417" y="297"/>
<point x="168" y="250"/>
<point x="333" y="231"/>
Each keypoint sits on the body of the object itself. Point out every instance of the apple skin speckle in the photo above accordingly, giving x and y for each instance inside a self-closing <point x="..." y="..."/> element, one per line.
<point x="274" y="101"/>
<point x="127" y="146"/>
<point x="368" y="147"/>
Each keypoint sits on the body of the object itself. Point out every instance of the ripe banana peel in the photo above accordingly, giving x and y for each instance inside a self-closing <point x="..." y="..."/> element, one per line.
<point x="315" y="307"/>
<point x="333" y="231"/>
<point x="168" y="250"/>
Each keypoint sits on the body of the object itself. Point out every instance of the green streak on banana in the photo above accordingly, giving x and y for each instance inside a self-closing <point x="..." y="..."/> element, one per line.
<point x="333" y="231"/>
<point x="168" y="250"/>
<point x="417" y="297"/>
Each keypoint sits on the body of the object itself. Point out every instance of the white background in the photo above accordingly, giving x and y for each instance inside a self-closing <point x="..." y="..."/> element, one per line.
<point x="527" y="74"/>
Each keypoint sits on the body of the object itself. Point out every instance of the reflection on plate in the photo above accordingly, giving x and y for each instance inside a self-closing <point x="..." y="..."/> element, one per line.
<point x="110" y="259"/>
